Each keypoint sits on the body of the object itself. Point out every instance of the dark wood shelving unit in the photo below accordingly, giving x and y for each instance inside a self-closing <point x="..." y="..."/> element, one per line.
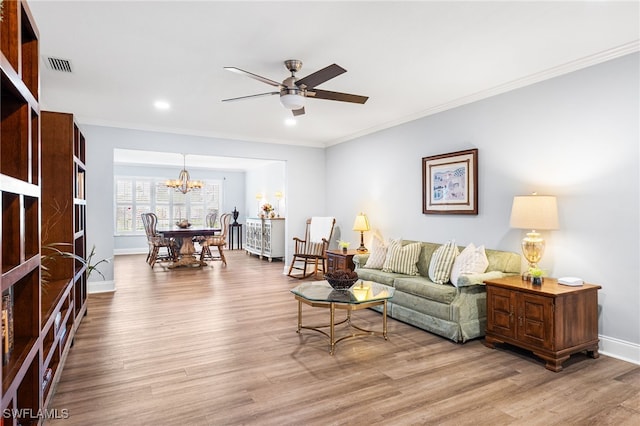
<point x="20" y="187"/>
<point x="63" y="226"/>
<point x="42" y="170"/>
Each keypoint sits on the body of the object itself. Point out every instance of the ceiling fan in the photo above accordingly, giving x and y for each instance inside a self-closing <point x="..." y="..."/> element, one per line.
<point x="293" y="91"/>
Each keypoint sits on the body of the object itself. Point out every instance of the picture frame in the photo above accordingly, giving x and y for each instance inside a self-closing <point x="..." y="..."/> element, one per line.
<point x="450" y="183"/>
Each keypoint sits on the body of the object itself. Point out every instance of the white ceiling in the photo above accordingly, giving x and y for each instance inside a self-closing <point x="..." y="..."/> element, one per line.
<point x="411" y="58"/>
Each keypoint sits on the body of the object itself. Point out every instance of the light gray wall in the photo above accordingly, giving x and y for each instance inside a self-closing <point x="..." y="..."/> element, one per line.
<point x="305" y="169"/>
<point x="267" y="181"/>
<point x="574" y="136"/>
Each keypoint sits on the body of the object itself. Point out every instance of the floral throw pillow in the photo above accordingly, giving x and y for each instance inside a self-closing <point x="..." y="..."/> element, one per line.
<point x="442" y="262"/>
<point x="472" y="260"/>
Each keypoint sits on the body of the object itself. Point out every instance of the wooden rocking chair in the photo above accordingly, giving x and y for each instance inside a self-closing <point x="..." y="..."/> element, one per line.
<point x="312" y="250"/>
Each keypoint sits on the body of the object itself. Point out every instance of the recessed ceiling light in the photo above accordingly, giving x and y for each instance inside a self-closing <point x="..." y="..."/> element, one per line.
<point x="163" y="105"/>
<point x="290" y="121"/>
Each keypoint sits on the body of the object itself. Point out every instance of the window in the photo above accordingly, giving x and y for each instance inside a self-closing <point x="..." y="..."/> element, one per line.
<point x="136" y="195"/>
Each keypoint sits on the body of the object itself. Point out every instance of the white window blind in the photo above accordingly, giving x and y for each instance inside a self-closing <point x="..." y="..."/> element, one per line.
<point x="136" y="195"/>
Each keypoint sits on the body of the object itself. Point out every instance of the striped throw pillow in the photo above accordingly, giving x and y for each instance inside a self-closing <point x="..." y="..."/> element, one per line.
<point x="314" y="249"/>
<point x="442" y="261"/>
<point x="402" y="259"/>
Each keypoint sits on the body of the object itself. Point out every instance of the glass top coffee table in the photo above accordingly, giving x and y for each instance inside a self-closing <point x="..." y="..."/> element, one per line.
<point x="363" y="294"/>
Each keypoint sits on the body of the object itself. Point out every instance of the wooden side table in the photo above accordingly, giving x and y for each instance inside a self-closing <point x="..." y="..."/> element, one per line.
<point x="551" y="320"/>
<point x="337" y="260"/>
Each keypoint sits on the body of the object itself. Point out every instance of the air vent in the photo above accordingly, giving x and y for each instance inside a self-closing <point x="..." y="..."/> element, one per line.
<point x="57" y="64"/>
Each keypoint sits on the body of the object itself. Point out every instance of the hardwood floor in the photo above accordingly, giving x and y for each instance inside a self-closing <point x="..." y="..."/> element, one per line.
<point x="218" y="346"/>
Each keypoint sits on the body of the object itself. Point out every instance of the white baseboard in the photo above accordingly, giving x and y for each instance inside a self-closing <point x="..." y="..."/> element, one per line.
<point x="144" y="250"/>
<point x="101" y="286"/>
<point x="620" y="349"/>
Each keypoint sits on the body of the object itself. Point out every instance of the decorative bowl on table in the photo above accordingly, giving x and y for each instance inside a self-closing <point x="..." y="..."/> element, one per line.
<point x="184" y="224"/>
<point x="340" y="279"/>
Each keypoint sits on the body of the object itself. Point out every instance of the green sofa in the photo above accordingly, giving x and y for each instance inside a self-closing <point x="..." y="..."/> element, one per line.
<point x="457" y="313"/>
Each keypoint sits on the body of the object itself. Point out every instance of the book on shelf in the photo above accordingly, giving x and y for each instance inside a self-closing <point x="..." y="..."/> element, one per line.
<point x="61" y="334"/>
<point x="80" y="185"/>
<point x="56" y="322"/>
<point x="46" y="377"/>
<point x="2" y="321"/>
<point x="7" y="325"/>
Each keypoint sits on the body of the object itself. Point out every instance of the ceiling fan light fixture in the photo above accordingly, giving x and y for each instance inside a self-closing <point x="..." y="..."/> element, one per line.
<point x="292" y="101"/>
<point x="293" y="90"/>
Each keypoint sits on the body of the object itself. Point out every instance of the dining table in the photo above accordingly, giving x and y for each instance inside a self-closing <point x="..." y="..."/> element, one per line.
<point x="187" y="249"/>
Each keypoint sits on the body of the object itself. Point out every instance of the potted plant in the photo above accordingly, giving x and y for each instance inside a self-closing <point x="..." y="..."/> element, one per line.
<point x="266" y="208"/>
<point x="536" y="275"/>
<point x="51" y="252"/>
<point x="344" y="245"/>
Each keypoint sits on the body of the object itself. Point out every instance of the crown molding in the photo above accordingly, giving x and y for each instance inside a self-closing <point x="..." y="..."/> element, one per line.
<point x="547" y="74"/>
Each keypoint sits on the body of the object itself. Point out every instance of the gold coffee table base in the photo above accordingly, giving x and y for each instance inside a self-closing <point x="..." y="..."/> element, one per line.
<point x="344" y="306"/>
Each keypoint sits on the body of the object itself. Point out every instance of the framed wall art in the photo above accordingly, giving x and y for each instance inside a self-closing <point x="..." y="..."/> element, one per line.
<point x="450" y="183"/>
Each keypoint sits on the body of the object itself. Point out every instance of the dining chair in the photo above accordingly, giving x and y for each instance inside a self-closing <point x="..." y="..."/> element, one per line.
<point x="156" y="241"/>
<point x="209" y="222"/>
<point x="312" y="250"/>
<point x="218" y="241"/>
<point x="210" y="219"/>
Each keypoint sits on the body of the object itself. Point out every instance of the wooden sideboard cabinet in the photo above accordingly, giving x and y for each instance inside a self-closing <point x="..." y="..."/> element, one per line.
<point x="265" y="237"/>
<point x="339" y="260"/>
<point x="551" y="320"/>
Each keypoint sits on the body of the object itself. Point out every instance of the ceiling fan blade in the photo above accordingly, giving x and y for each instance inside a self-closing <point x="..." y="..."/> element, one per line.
<point x="337" y="96"/>
<point x="319" y="77"/>
<point x="297" y="112"/>
<point x="254" y="76"/>
<point x="251" y="96"/>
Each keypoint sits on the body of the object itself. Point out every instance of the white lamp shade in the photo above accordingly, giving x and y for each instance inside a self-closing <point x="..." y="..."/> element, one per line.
<point x="361" y="223"/>
<point x="292" y="101"/>
<point x="534" y="212"/>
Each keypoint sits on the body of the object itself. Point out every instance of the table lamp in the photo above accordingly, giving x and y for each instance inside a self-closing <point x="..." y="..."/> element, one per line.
<point x="534" y="212"/>
<point x="259" y="197"/>
<point x="361" y="224"/>
<point x="279" y="197"/>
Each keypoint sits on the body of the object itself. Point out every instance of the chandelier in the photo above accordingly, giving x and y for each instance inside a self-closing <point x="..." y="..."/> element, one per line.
<point x="184" y="183"/>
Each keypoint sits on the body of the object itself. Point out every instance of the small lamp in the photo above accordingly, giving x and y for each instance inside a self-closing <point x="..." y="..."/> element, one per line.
<point x="361" y="224"/>
<point x="259" y="197"/>
<point x="535" y="212"/>
<point x="278" y="196"/>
